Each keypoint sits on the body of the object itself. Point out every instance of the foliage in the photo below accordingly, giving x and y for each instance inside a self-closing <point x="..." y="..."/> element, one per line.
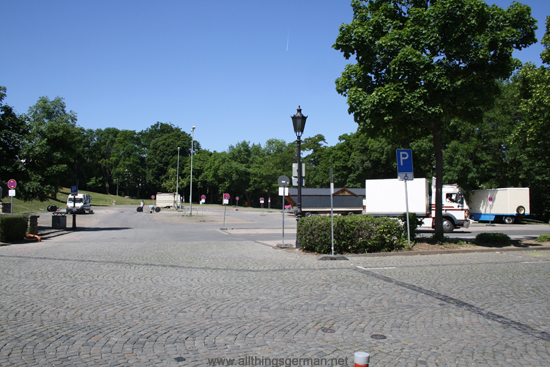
<point x="352" y="234"/>
<point x="421" y="64"/>
<point x="543" y="238"/>
<point x="127" y="160"/>
<point x="414" y="223"/>
<point x="49" y="151"/>
<point x="13" y="227"/>
<point x="492" y="239"/>
<point x="12" y="134"/>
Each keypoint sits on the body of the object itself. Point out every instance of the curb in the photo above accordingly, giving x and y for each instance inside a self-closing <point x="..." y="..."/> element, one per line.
<point x="413" y="253"/>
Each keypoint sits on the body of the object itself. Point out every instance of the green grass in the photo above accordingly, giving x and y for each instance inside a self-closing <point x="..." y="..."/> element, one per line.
<point x="543" y="238"/>
<point x="28" y="207"/>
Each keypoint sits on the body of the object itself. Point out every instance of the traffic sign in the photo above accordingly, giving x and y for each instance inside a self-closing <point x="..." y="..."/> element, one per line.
<point x="404" y="164"/>
<point x="12" y="184"/>
<point x="153" y="197"/>
<point x="283" y="181"/>
<point x="74" y="190"/>
<point x="237" y="198"/>
<point x="203" y="197"/>
<point x="490" y="201"/>
<point x="261" y="200"/>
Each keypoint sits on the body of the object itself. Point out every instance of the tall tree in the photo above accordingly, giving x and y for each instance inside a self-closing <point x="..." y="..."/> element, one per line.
<point x="422" y="63"/>
<point x="532" y="130"/>
<point x="49" y="152"/>
<point x="102" y="145"/>
<point x="12" y="133"/>
<point x="127" y="160"/>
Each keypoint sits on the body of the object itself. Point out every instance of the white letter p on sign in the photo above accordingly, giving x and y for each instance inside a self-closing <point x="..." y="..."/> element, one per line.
<point x="403" y="156"/>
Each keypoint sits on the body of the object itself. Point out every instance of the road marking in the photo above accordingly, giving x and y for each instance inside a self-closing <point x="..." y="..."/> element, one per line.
<point x="382" y="268"/>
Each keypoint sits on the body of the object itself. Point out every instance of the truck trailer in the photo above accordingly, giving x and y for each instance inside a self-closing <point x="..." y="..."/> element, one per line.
<point x="167" y="200"/>
<point x="387" y="198"/>
<point x="504" y="205"/>
<point x="317" y="201"/>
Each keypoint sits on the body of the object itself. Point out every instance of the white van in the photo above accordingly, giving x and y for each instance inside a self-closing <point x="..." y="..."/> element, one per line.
<point x="81" y="203"/>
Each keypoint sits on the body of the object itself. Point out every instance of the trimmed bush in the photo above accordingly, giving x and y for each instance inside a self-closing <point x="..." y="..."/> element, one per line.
<point x="414" y="223"/>
<point x="13" y="227"/>
<point x="543" y="238"/>
<point x="352" y="234"/>
<point x="492" y="239"/>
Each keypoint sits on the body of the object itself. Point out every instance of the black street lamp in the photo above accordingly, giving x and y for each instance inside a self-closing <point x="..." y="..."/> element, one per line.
<point x="299" y="122"/>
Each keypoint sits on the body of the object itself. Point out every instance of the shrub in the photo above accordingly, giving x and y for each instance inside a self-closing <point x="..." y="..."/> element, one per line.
<point x="543" y="238"/>
<point x="492" y="239"/>
<point x="352" y="234"/>
<point x="13" y="227"/>
<point x="414" y="223"/>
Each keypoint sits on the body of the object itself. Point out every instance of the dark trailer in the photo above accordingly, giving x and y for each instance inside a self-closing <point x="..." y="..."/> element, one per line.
<point x="317" y="201"/>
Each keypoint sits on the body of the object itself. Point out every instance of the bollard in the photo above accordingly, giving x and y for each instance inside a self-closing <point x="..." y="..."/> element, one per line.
<point x="361" y="359"/>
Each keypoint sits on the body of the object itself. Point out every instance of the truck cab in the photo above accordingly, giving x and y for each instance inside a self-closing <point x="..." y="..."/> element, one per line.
<point x="455" y="210"/>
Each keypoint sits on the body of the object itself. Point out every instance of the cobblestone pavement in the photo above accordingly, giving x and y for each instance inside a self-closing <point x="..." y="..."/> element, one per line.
<point x="92" y="303"/>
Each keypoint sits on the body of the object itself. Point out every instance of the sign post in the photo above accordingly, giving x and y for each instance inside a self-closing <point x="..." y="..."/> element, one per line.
<point x="12" y="184"/>
<point x="405" y="173"/>
<point x="283" y="181"/>
<point x="331" y="211"/>
<point x="226" y="198"/>
<point x="203" y="200"/>
<point x="490" y="210"/>
<point x="262" y="203"/>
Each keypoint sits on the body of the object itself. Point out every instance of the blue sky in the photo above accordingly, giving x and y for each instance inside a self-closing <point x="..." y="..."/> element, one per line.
<point x="235" y="69"/>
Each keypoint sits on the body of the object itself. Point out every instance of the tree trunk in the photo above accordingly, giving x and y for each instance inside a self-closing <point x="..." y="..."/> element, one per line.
<point x="438" y="182"/>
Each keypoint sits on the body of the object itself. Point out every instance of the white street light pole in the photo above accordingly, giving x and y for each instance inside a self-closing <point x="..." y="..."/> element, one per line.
<point x="178" y="180"/>
<point x="191" y="191"/>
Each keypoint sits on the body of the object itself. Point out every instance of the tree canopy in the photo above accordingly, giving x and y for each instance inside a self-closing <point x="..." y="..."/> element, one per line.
<point x="422" y="63"/>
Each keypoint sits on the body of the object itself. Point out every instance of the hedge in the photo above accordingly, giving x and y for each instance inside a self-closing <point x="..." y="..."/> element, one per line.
<point x="352" y="234"/>
<point x="13" y="227"/>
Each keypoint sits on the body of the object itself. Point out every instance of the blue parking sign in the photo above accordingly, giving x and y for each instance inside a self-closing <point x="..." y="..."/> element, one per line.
<point x="404" y="164"/>
<point x="74" y="190"/>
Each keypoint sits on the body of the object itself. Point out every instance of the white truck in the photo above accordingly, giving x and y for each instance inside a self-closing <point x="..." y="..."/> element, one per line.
<point x="80" y="203"/>
<point x="167" y="200"/>
<point x="504" y="205"/>
<point x="387" y="198"/>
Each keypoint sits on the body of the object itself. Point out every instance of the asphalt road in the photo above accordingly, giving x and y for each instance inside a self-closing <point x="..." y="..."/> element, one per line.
<point x="126" y="224"/>
<point x="140" y="289"/>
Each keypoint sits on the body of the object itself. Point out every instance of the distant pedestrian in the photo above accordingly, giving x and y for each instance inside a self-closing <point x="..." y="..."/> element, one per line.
<point x="151" y="207"/>
<point x="142" y="205"/>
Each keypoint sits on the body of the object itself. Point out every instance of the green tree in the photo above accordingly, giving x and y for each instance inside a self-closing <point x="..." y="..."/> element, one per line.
<point x="12" y="134"/>
<point x="102" y="143"/>
<point x="50" y="149"/>
<point x="127" y="161"/>
<point x="422" y="63"/>
<point x="532" y="131"/>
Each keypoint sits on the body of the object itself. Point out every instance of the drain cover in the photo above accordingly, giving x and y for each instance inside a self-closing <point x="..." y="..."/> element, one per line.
<point x="179" y="359"/>
<point x="378" y="336"/>
<point x="327" y="330"/>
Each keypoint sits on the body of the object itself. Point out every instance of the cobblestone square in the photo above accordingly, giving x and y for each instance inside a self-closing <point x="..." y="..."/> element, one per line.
<point x="75" y="300"/>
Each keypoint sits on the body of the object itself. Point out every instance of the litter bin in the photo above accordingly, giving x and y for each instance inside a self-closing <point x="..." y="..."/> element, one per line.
<point x="33" y="225"/>
<point x="59" y="221"/>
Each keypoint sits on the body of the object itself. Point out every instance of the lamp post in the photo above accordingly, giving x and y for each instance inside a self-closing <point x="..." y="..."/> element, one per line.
<point x="178" y="180"/>
<point x="191" y="183"/>
<point x="299" y="122"/>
